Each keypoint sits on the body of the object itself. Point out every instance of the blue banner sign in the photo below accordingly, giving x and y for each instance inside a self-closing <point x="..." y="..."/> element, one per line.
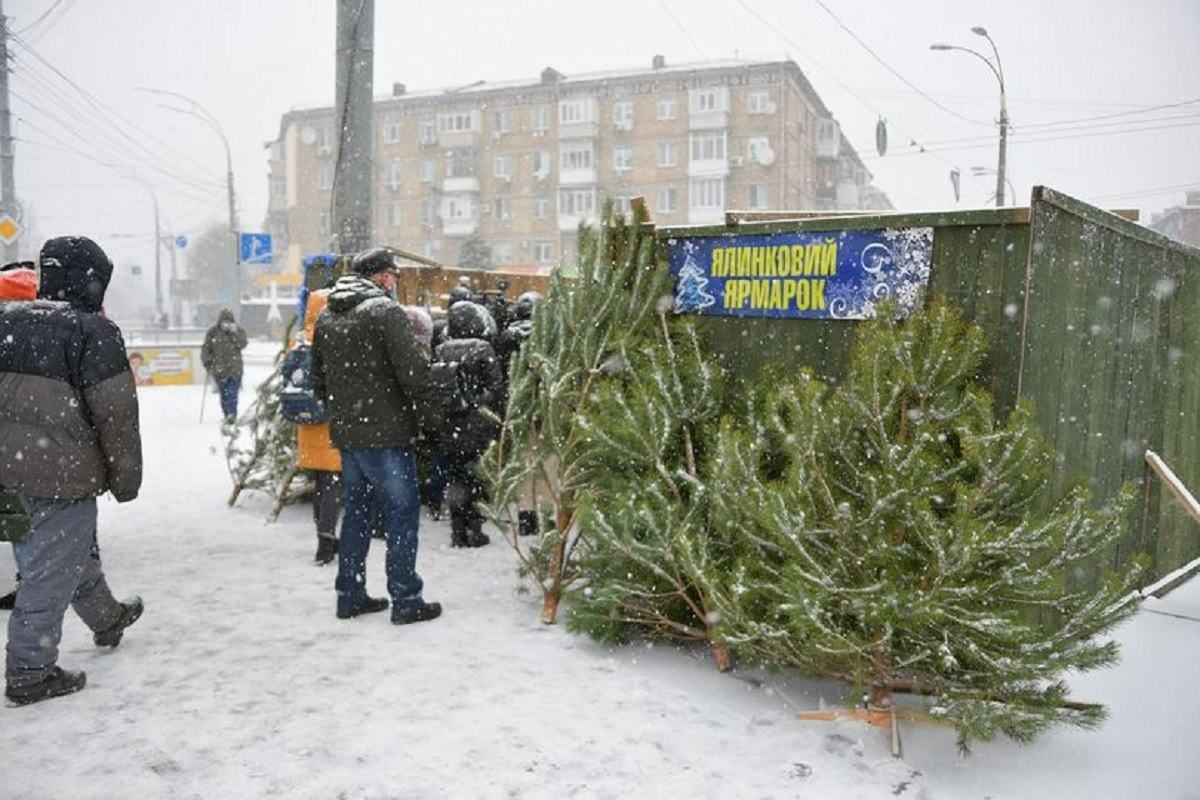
<point x="811" y="275"/>
<point x="254" y="248"/>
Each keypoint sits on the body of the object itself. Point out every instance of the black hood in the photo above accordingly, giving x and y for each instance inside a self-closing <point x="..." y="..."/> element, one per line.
<point x="76" y="270"/>
<point x="467" y="320"/>
<point x="350" y="290"/>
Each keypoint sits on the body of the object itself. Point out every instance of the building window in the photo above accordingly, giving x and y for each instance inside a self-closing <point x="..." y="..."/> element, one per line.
<point x="457" y="121"/>
<point x="576" y="202"/>
<point x="757" y="196"/>
<point x="428" y="170"/>
<point x="325" y="177"/>
<point x="501" y="121"/>
<point x="575" y="155"/>
<point x="324" y="140"/>
<point x="708" y="146"/>
<point x="667" y="108"/>
<point x="541" y="164"/>
<point x="758" y="149"/>
<point x="502" y="253"/>
<point x="540" y="116"/>
<point x="393" y="174"/>
<point x="666" y="154"/>
<point x="502" y="167"/>
<point x="391" y="130"/>
<point x="705" y="100"/>
<point x="759" y="103"/>
<point x="278" y="188"/>
<point x="623" y="115"/>
<point x="461" y="162"/>
<point x="706" y="193"/>
<point x="323" y="225"/>
<point x="429" y="209"/>
<point x="502" y="207"/>
<point x="622" y="205"/>
<point x="579" y="109"/>
<point x="392" y="213"/>
<point x="457" y="207"/>
<point x="541" y="207"/>
<point x="432" y="250"/>
<point x="667" y="201"/>
<point x="542" y="253"/>
<point x="427" y="132"/>
<point x="623" y="158"/>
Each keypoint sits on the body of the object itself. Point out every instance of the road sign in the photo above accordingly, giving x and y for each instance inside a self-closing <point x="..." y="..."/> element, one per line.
<point x="10" y="229"/>
<point x="181" y="241"/>
<point x="254" y="248"/>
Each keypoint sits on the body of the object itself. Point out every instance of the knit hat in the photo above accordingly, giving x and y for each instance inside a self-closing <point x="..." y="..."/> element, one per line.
<point x="75" y="269"/>
<point x="377" y="259"/>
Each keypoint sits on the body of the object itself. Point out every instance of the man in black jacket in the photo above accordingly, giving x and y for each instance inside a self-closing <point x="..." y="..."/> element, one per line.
<point x="221" y="355"/>
<point x="372" y="375"/>
<point x="68" y="433"/>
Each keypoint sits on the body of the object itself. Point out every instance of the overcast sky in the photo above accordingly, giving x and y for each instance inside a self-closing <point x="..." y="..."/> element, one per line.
<point x="1096" y="67"/>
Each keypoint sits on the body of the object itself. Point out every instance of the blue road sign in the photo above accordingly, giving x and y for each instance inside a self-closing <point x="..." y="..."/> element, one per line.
<point x="254" y="248"/>
<point x="181" y="241"/>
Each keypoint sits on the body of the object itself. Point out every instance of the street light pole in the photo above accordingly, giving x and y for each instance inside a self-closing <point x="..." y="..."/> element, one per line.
<point x="997" y="70"/>
<point x="981" y="171"/>
<point x="201" y="113"/>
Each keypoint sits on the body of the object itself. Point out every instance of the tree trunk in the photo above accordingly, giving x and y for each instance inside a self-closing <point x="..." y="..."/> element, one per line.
<point x="553" y="593"/>
<point x="722" y="657"/>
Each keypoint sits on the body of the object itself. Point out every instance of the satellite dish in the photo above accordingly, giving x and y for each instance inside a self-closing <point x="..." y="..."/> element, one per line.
<point x="308" y="135"/>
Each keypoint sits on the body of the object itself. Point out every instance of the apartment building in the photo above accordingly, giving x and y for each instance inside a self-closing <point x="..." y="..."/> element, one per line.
<point x="520" y="164"/>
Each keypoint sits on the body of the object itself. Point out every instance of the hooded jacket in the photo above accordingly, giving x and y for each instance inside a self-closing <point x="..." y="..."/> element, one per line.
<point x="68" y="404"/>
<point x="368" y="368"/>
<point x="466" y="433"/>
<point x="221" y="354"/>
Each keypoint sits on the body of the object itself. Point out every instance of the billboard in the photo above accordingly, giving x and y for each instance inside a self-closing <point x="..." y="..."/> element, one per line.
<point x="162" y="366"/>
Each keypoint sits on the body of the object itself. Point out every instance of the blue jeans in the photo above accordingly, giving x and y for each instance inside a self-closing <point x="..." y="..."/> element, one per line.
<point x="389" y="475"/>
<point x="229" y="388"/>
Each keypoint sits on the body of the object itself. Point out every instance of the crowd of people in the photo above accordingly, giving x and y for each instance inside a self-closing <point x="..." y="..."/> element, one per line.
<point x="401" y="396"/>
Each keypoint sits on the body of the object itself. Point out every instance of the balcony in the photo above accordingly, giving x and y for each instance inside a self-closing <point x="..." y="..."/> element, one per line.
<point x="578" y="130"/>
<point x="569" y="223"/>
<point x="709" y="168"/>
<point x="462" y="226"/>
<point x="708" y="120"/>
<point x="577" y="177"/>
<point x="450" y="140"/>
<point x="462" y="183"/>
<point x="706" y="216"/>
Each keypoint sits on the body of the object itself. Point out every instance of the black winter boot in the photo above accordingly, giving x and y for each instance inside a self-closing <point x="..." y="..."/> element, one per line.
<point x="58" y="683"/>
<point x="475" y="536"/>
<point x="458" y="531"/>
<point x="327" y="548"/>
<point x="527" y="523"/>
<point x="111" y="636"/>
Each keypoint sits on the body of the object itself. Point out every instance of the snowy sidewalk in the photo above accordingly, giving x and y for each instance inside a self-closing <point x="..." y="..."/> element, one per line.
<point x="239" y="682"/>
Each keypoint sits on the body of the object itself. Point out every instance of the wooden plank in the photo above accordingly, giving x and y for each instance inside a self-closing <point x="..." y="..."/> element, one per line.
<point x="1109" y="220"/>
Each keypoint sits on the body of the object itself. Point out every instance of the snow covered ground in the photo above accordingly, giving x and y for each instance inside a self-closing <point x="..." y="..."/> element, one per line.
<point x="240" y="682"/>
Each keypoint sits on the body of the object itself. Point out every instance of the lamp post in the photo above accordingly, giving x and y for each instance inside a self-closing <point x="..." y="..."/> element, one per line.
<point x="981" y="171"/>
<point x="201" y="113"/>
<point x="998" y="71"/>
<point x="158" y="297"/>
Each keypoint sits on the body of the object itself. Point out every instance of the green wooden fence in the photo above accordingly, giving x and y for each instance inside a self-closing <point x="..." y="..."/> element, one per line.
<point x="1093" y="318"/>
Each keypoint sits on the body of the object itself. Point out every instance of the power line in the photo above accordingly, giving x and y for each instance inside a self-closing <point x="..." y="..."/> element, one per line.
<point x="832" y="76"/>
<point x="1146" y="110"/>
<point x="38" y="21"/>
<point x="108" y="112"/>
<point x="682" y="29"/>
<point x="890" y="69"/>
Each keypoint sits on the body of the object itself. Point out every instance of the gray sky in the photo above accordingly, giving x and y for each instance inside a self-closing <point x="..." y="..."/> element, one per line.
<point x="248" y="61"/>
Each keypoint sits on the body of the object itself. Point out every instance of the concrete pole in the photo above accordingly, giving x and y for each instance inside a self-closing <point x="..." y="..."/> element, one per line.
<point x="8" y="190"/>
<point x="353" y="174"/>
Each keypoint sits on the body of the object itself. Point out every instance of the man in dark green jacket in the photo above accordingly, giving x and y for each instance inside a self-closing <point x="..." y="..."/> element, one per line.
<point x="221" y="355"/>
<point x="372" y="375"/>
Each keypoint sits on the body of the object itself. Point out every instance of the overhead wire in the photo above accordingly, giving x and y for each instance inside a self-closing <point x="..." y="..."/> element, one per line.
<point x="40" y="19"/>
<point x="895" y="72"/>
<point x="682" y="29"/>
<point x="110" y="113"/>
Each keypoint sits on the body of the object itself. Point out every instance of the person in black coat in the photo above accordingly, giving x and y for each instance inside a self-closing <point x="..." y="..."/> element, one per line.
<point x="508" y="343"/>
<point x="467" y="377"/>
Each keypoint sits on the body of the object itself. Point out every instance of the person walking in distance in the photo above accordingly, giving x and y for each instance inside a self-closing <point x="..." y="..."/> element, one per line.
<point x="372" y="376"/>
<point x="221" y="355"/>
<point x="69" y="433"/>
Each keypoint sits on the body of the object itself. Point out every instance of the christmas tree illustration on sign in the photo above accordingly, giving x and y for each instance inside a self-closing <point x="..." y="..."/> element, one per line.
<point x="690" y="294"/>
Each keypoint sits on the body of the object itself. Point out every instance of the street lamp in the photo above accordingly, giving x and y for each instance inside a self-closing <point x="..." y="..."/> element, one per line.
<point x="998" y="71"/>
<point x="204" y="115"/>
<point x="981" y="171"/>
<point x="158" y="296"/>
